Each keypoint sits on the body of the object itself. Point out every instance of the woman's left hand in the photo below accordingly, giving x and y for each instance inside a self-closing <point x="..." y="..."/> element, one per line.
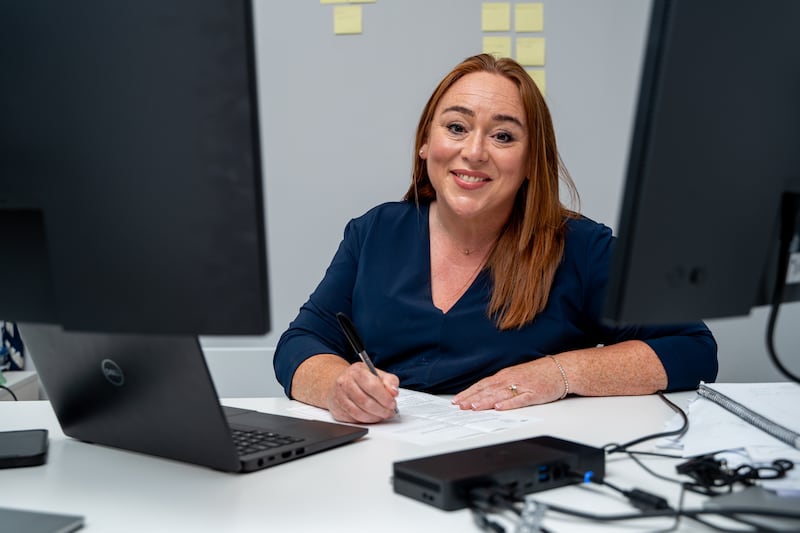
<point x="531" y="383"/>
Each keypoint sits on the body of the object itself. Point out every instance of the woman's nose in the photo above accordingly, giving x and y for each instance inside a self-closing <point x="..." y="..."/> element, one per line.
<point x="475" y="149"/>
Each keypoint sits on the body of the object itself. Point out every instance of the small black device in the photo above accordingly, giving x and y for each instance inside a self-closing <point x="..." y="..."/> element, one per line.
<point x="526" y="466"/>
<point x="26" y="447"/>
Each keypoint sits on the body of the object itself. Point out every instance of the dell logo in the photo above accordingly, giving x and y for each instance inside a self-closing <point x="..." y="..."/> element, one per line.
<point x="112" y="372"/>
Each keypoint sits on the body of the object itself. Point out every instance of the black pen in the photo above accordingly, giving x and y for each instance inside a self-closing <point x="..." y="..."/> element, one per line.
<point x="355" y="341"/>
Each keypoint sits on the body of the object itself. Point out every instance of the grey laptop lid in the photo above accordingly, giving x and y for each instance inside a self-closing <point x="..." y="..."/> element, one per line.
<point x="23" y="521"/>
<point x="154" y="394"/>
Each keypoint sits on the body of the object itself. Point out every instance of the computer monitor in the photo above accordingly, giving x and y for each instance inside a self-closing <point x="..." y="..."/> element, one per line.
<point x="714" y="165"/>
<point x="716" y="143"/>
<point x="130" y="177"/>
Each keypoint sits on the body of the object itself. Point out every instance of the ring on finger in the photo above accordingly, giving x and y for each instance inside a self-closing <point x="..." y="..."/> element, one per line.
<point x="513" y="389"/>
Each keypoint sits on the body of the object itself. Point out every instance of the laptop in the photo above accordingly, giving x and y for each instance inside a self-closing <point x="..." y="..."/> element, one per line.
<point x="153" y="394"/>
<point x="20" y="520"/>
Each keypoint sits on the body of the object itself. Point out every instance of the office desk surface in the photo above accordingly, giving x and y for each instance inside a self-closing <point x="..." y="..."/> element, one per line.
<point x="344" y="489"/>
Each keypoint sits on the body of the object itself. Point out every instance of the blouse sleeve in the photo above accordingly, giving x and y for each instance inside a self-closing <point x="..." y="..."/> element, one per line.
<point x="315" y="330"/>
<point x="687" y="351"/>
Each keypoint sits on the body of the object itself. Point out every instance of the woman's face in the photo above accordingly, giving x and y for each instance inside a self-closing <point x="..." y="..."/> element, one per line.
<point x="477" y="149"/>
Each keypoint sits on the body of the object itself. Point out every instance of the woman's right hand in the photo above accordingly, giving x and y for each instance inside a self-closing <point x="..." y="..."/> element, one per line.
<point x="358" y="396"/>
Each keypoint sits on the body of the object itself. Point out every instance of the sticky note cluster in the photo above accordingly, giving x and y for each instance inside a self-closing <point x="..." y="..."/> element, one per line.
<point x="500" y="35"/>
<point x="348" y="16"/>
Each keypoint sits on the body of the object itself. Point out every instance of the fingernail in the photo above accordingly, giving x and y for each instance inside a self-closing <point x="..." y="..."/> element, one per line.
<point x="474" y="406"/>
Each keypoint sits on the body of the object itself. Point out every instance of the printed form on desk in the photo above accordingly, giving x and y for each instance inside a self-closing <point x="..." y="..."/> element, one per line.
<point x="712" y="428"/>
<point x="429" y="419"/>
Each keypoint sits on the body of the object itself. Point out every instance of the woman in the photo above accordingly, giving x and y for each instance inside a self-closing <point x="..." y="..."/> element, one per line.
<point x="480" y="283"/>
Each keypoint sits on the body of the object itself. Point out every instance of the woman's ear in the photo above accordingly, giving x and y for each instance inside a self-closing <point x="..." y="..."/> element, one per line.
<point x="423" y="151"/>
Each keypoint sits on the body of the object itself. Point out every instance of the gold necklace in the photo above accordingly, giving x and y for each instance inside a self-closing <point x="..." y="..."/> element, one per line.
<point x="464" y="251"/>
<point x="455" y="296"/>
<point x="474" y="275"/>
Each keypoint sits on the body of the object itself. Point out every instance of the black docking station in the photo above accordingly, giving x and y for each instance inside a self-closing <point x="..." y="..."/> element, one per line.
<point x="524" y="466"/>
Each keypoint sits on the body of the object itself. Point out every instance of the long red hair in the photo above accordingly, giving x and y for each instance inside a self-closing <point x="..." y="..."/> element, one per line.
<point x="524" y="260"/>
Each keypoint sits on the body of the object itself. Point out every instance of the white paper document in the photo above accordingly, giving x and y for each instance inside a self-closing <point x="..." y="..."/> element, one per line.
<point x="712" y="428"/>
<point x="429" y="419"/>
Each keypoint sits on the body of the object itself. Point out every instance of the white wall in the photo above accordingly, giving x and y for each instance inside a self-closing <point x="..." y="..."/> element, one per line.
<point x="338" y="119"/>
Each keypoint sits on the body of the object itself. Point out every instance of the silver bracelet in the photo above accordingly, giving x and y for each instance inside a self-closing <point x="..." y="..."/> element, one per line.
<point x="563" y="376"/>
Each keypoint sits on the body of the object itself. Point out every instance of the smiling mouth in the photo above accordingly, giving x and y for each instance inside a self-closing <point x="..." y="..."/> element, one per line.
<point x="471" y="179"/>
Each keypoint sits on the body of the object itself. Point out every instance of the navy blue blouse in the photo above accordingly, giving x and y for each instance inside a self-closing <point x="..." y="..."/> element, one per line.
<point x="381" y="277"/>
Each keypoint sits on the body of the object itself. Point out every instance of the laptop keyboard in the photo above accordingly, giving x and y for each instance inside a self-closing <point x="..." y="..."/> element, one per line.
<point x="252" y="441"/>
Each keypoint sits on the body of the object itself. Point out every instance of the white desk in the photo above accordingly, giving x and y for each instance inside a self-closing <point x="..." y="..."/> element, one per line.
<point x="345" y="489"/>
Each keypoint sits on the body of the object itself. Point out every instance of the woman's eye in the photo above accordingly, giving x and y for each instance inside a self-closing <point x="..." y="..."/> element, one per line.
<point x="456" y="128"/>
<point x="504" y="137"/>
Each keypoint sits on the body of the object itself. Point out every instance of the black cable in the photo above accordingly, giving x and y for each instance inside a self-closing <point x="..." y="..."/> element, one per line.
<point x="712" y="477"/>
<point x="773" y="355"/>
<point x="673" y="433"/>
<point x="679" y="509"/>
<point x="759" y="527"/>
<point x="632" y="454"/>
<point x="639" y="498"/>
<point x="484" y="501"/>
<point x="733" y="514"/>
<point x="610" y="517"/>
<point x="685" y="485"/>
<point x="710" y="525"/>
<point x="694" y="514"/>
<point x="482" y="520"/>
<point x="652" y="472"/>
<point x="654" y="454"/>
<point x="790" y="212"/>
<point x="11" y="392"/>
<point x="493" y="500"/>
<point x="488" y="500"/>
<point x="651" y="505"/>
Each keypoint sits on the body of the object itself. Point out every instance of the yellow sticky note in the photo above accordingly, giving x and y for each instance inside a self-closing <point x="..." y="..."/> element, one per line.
<point x="530" y="51"/>
<point x="538" y="78"/>
<point x="496" y="16"/>
<point x="347" y="20"/>
<point x="333" y="1"/>
<point x="497" y="46"/>
<point x="529" y="17"/>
